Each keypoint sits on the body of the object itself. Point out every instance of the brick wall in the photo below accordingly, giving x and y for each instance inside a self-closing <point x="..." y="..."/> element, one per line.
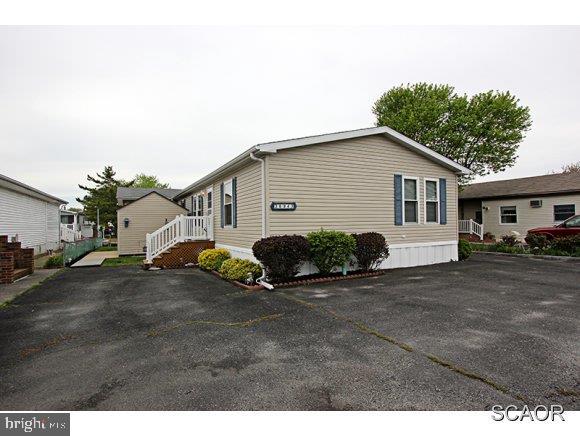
<point x="13" y="257"/>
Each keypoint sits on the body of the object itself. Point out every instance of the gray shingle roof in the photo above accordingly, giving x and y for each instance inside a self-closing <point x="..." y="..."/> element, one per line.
<point x="136" y="193"/>
<point x="524" y="187"/>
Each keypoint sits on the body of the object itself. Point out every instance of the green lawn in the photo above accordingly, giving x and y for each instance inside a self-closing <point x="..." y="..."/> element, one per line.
<point x="125" y="260"/>
<point x="107" y="248"/>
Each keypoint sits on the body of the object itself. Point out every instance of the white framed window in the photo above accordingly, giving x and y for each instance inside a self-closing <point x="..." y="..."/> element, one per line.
<point x="508" y="215"/>
<point x="564" y="211"/>
<point x="410" y="200"/>
<point x="196" y="205"/>
<point x="432" y="201"/>
<point x="228" y="204"/>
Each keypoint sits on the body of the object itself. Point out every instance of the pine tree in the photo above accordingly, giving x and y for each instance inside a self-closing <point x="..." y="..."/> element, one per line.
<point x="102" y="196"/>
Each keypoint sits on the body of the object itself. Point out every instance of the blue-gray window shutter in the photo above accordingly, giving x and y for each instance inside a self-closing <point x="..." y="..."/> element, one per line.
<point x="200" y="205"/>
<point x="235" y="202"/>
<point x="222" y="208"/>
<point x="398" y="200"/>
<point x="442" y="201"/>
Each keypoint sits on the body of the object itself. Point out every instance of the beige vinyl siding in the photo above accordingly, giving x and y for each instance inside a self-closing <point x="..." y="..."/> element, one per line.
<point x="249" y="228"/>
<point x="145" y="216"/>
<point x="528" y="217"/>
<point x="468" y="209"/>
<point x="349" y="185"/>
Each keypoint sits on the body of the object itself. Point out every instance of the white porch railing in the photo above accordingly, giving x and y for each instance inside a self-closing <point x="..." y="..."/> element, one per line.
<point x="471" y="227"/>
<point x="182" y="228"/>
<point x="68" y="234"/>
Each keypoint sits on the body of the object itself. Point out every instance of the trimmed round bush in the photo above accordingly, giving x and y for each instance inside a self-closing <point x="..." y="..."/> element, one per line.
<point x="212" y="259"/>
<point x="464" y="249"/>
<point x="330" y="249"/>
<point x="370" y="250"/>
<point x="240" y="270"/>
<point x="281" y="256"/>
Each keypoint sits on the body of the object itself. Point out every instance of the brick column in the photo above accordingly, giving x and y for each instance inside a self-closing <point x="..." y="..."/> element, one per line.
<point x="25" y="259"/>
<point x="3" y="242"/>
<point x="6" y="267"/>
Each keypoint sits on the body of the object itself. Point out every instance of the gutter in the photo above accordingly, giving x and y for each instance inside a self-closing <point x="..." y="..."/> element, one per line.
<point x="262" y="279"/>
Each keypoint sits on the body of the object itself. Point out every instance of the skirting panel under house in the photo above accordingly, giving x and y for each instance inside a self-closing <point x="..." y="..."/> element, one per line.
<point x="400" y="255"/>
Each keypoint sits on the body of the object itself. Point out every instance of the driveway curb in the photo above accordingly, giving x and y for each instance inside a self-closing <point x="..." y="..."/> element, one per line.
<point x="532" y="256"/>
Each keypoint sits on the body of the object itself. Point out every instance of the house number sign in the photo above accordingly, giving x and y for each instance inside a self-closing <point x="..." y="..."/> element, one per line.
<point x="275" y="205"/>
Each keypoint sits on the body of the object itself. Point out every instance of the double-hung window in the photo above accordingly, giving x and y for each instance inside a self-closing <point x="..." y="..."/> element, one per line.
<point x="228" y="205"/>
<point x="431" y="201"/>
<point x="411" y="201"/>
<point x="508" y="215"/>
<point x="564" y="211"/>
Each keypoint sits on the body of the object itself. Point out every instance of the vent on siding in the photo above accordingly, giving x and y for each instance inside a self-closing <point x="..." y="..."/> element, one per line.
<point x="535" y="203"/>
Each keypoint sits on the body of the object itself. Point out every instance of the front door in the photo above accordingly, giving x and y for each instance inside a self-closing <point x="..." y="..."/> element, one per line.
<point x="209" y="212"/>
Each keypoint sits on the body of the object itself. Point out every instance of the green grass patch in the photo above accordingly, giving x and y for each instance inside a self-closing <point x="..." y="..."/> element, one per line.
<point x="107" y="248"/>
<point x="125" y="260"/>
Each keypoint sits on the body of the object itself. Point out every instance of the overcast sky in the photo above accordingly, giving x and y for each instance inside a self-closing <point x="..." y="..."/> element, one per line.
<point x="178" y="102"/>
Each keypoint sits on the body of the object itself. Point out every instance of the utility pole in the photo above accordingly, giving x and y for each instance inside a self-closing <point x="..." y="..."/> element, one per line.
<point x="98" y="225"/>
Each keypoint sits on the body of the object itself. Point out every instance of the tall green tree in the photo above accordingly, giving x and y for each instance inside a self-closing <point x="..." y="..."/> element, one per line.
<point x="145" y="181"/>
<point x="482" y="132"/>
<point x="102" y="196"/>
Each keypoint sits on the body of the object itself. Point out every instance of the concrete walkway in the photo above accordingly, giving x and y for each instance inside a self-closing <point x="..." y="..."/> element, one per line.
<point x="95" y="258"/>
<point x="11" y="291"/>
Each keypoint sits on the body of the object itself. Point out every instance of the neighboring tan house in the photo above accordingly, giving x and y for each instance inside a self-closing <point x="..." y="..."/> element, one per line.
<point x="356" y="181"/>
<point x="29" y="215"/>
<point x="518" y="205"/>
<point x="143" y="211"/>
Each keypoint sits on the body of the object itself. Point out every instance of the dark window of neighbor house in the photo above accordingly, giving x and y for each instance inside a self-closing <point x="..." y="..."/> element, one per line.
<point x="564" y="211"/>
<point x="431" y="201"/>
<point x="508" y="214"/>
<point x="228" y="208"/>
<point x="411" y="201"/>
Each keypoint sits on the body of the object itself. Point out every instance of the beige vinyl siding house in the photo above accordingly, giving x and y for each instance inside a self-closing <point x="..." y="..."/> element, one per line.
<point x="30" y="215"/>
<point x="342" y="181"/>
<point x="144" y="215"/>
<point x="526" y="203"/>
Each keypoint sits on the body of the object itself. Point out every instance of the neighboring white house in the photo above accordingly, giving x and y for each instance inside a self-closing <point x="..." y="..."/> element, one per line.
<point x="518" y="205"/>
<point x="30" y="215"/>
<point x="75" y="226"/>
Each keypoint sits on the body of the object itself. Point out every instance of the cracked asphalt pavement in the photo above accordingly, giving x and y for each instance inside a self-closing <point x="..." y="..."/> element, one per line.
<point x="457" y="336"/>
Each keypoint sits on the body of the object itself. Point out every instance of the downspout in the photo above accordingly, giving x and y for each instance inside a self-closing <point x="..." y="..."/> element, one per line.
<point x="261" y="279"/>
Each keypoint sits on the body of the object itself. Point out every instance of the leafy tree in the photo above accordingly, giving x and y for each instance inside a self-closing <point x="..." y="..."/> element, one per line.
<point x="102" y="196"/>
<point x="571" y="168"/>
<point x="482" y="132"/>
<point x="144" y="181"/>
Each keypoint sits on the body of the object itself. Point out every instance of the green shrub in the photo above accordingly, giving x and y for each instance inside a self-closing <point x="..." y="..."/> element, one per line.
<point x="330" y="249"/>
<point x="567" y="244"/>
<point x="509" y="240"/>
<point x="502" y="247"/>
<point x="537" y="241"/>
<point x="55" y="261"/>
<point x="213" y="258"/>
<point x="370" y="250"/>
<point x="240" y="270"/>
<point x="281" y="256"/>
<point x="463" y="249"/>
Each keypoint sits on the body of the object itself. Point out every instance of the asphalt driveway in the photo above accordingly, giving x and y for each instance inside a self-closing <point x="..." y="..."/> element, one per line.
<point x="458" y="336"/>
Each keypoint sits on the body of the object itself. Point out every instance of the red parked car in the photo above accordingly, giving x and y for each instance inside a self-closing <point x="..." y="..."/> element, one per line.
<point x="567" y="228"/>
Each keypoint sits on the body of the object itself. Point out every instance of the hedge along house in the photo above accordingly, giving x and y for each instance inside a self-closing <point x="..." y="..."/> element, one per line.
<point x="363" y="180"/>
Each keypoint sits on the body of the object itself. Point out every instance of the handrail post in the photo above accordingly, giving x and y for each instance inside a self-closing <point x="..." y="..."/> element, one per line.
<point x="148" y="247"/>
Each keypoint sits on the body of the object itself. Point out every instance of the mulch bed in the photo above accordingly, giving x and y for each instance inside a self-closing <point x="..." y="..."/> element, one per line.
<point x="312" y="279"/>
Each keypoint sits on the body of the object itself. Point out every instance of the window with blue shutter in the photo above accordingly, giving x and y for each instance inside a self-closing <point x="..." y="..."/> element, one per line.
<point x="398" y="200"/>
<point x="443" y="201"/>
<point x="222" y="205"/>
<point x="235" y="202"/>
